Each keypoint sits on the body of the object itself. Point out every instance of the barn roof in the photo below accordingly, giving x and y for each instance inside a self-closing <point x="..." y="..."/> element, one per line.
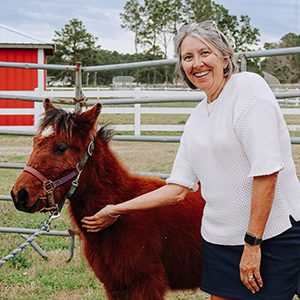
<point x="13" y="38"/>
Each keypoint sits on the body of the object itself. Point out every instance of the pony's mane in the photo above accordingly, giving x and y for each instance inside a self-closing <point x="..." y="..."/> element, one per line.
<point x="67" y="122"/>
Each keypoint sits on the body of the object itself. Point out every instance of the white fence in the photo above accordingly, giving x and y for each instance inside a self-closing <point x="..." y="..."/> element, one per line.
<point x="137" y="110"/>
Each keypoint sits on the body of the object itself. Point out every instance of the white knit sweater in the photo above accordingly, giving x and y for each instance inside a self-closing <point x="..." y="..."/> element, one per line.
<point x="225" y="144"/>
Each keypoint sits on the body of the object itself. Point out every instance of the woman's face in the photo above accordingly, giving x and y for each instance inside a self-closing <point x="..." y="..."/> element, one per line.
<point x="203" y="64"/>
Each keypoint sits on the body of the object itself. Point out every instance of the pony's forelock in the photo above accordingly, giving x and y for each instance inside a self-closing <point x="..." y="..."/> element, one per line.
<point x="61" y="120"/>
<point x="66" y="123"/>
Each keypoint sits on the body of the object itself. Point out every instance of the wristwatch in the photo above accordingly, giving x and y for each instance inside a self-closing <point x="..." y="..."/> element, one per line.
<point x="252" y="239"/>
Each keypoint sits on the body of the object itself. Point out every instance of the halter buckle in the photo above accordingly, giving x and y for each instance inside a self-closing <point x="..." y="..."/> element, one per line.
<point x="49" y="186"/>
<point x="91" y="148"/>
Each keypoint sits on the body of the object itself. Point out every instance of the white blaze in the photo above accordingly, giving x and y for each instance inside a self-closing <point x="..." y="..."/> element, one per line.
<point x="47" y="131"/>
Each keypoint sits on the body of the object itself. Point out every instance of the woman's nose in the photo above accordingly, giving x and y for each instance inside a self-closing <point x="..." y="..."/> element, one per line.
<point x="198" y="62"/>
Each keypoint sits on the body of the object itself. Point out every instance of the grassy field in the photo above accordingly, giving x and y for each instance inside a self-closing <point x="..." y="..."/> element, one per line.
<point x="29" y="277"/>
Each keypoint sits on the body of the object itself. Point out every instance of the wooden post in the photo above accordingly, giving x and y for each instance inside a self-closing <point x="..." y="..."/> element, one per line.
<point x="78" y="87"/>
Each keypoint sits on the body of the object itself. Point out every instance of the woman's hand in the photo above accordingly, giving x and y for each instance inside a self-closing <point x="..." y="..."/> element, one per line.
<point x="250" y="268"/>
<point x="100" y="220"/>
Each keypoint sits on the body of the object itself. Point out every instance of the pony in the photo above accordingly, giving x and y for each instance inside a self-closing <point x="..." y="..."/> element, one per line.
<point x="143" y="254"/>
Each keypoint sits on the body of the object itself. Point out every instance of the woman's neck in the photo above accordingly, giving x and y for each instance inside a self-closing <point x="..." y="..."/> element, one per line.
<point x="217" y="92"/>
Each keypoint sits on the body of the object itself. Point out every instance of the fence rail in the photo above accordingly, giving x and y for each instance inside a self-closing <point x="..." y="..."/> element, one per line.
<point x="154" y="63"/>
<point x="137" y="110"/>
<point x="195" y="96"/>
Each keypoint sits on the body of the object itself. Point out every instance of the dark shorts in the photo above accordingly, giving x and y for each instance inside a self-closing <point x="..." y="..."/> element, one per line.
<point x="280" y="268"/>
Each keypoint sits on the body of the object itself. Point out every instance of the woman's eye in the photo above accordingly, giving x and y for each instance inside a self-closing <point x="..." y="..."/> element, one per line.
<point x="60" y="148"/>
<point x="187" y="58"/>
<point x="205" y="53"/>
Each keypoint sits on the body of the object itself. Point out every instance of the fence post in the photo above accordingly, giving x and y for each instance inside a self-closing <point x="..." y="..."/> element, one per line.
<point x="243" y="63"/>
<point x="78" y="87"/>
<point x="38" y="108"/>
<point x="137" y="113"/>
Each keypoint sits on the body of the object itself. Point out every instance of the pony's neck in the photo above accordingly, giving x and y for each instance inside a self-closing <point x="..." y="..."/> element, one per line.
<point x="103" y="181"/>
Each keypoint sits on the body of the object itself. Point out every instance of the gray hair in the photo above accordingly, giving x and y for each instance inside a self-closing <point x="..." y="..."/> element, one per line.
<point x="205" y="30"/>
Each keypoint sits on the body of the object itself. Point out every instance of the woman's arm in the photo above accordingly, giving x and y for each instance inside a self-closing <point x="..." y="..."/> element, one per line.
<point x="263" y="191"/>
<point x="166" y="195"/>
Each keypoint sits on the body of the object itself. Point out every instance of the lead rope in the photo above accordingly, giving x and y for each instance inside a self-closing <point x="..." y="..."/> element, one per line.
<point x="45" y="227"/>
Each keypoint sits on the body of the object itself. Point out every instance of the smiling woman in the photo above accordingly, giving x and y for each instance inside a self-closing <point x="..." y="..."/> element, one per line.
<point x="237" y="145"/>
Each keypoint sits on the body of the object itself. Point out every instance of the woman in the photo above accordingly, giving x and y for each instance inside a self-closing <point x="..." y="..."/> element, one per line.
<point x="237" y="145"/>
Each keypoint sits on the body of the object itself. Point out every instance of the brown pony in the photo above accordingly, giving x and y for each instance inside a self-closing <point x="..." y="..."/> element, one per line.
<point x="143" y="254"/>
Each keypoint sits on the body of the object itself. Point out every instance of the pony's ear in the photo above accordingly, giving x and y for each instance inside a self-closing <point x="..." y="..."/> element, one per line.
<point x="92" y="114"/>
<point x="48" y="105"/>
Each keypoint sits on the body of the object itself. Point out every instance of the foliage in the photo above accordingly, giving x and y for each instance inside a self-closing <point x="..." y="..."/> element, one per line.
<point x="73" y="44"/>
<point x="155" y="22"/>
<point x="159" y="20"/>
<point x="285" y="68"/>
<point x="132" y="20"/>
<point x="239" y="30"/>
<point x="144" y="75"/>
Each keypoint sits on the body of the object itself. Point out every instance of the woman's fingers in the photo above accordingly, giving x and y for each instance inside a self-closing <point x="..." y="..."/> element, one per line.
<point x="250" y="268"/>
<point x="90" y="219"/>
<point x="258" y="278"/>
<point x="97" y="222"/>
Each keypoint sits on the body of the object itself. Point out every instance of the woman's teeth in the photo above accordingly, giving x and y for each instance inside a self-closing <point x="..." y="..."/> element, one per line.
<point x="201" y="74"/>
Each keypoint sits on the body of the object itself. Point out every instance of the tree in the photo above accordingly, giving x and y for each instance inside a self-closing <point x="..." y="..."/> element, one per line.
<point x="239" y="31"/>
<point x="285" y="68"/>
<point x="197" y="10"/>
<point x="132" y="20"/>
<point x="73" y="44"/>
<point x="159" y="20"/>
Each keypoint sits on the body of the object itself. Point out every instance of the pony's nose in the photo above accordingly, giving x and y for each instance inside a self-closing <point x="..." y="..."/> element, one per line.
<point x="22" y="197"/>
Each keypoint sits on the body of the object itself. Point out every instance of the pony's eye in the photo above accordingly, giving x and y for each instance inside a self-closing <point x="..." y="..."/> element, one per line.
<point x="60" y="148"/>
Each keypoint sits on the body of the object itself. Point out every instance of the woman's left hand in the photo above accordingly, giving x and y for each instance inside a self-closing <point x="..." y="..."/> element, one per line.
<point x="250" y="268"/>
<point x="99" y="221"/>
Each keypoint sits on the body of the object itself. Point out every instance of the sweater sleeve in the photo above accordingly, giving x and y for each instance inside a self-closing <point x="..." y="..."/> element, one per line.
<point x="182" y="173"/>
<point x="258" y="131"/>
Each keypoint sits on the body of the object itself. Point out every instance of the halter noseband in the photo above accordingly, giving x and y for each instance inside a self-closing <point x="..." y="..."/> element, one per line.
<point x="49" y="185"/>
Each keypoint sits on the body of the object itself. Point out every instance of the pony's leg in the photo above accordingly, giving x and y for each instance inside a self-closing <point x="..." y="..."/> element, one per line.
<point x="117" y="295"/>
<point x="152" y="288"/>
<point x="142" y="291"/>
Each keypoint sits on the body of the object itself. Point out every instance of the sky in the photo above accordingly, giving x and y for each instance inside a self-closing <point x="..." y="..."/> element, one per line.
<point x="40" y="18"/>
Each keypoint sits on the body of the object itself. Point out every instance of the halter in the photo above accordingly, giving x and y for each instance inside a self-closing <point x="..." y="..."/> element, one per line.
<point x="49" y="185"/>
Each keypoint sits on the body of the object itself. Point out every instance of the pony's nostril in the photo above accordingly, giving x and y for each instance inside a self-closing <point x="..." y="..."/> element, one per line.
<point x="22" y="196"/>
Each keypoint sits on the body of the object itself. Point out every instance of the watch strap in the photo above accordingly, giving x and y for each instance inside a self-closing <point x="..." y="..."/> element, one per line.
<point x="252" y="239"/>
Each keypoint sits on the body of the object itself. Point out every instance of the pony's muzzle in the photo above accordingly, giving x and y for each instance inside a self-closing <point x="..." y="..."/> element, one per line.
<point x="20" y="199"/>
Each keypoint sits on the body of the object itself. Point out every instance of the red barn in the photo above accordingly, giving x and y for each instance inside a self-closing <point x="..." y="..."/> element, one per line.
<point x="19" y="47"/>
